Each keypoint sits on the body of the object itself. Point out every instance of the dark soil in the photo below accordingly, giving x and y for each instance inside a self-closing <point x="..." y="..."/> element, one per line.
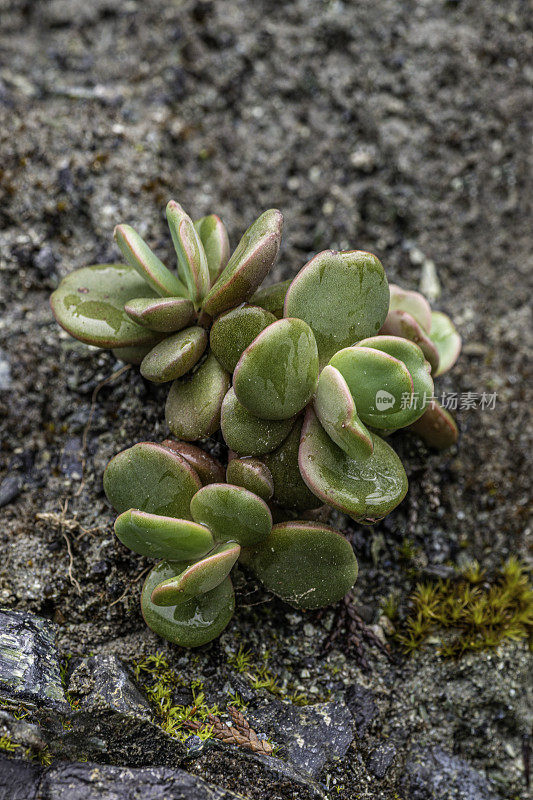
<point x="403" y="128"/>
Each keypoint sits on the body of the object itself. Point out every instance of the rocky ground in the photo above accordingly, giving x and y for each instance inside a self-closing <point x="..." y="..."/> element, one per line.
<point x="403" y="128"/>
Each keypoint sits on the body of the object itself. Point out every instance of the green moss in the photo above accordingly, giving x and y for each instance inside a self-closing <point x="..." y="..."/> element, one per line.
<point x="63" y="671"/>
<point x="7" y="745"/>
<point x="18" y="710"/>
<point x="160" y="682"/>
<point x="260" y="676"/>
<point x="389" y="606"/>
<point x="241" y="660"/>
<point x="237" y="702"/>
<point x="471" y="612"/>
<point x="45" y="757"/>
<point x="407" y="550"/>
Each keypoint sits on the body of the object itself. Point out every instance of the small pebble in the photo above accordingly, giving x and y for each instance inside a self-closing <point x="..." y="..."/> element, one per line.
<point x="9" y="489"/>
<point x="5" y="373"/>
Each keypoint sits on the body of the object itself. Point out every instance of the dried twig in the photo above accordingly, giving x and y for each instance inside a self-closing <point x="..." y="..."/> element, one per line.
<point x="239" y="733"/>
<point x="66" y="525"/>
<point x="73" y="580"/>
<point x="55" y="520"/>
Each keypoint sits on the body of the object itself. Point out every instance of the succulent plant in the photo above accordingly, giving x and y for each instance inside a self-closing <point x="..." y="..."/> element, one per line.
<point x="410" y="316"/>
<point x="303" y="378"/>
<point x="150" y="316"/>
<point x="199" y="533"/>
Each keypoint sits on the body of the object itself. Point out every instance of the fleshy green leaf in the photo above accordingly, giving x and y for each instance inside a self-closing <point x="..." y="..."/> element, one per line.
<point x="139" y="256"/>
<point x="413" y="303"/>
<point x="232" y="513"/>
<point x="436" y="427"/>
<point x="419" y="369"/>
<point x="365" y="490"/>
<point x="192" y="259"/>
<point x="401" y="323"/>
<point x="247" y="434"/>
<point x="89" y="304"/>
<point x="194" y="402"/>
<point x="175" y="355"/>
<point x="306" y="564"/>
<point x="254" y="256"/>
<point x="343" y="296"/>
<point x="165" y="315"/>
<point x="380" y="384"/>
<point x="193" y="622"/>
<point x="272" y="298"/>
<point x="199" y="578"/>
<point x="151" y="478"/>
<point x="277" y="374"/>
<point x="290" y="490"/>
<point x="335" y="408"/>
<point x="234" y="330"/>
<point x="444" y="336"/>
<point x="214" y="238"/>
<point x="251" y="474"/>
<point x="163" y="537"/>
<point x="208" y="468"/>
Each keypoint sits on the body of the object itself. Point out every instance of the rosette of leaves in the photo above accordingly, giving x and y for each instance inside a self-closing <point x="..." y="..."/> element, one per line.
<point x="160" y="318"/>
<point x="411" y="317"/>
<point x="317" y="386"/>
<point x="305" y="400"/>
<point x="198" y="533"/>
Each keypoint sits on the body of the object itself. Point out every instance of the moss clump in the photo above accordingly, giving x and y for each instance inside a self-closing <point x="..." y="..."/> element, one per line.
<point x="160" y="683"/>
<point x="261" y="676"/>
<point x="205" y="721"/>
<point x="7" y="745"/>
<point x="390" y="606"/>
<point x="471" y="612"/>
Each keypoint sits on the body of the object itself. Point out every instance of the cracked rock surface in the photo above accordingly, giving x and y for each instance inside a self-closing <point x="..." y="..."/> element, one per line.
<point x="85" y="781"/>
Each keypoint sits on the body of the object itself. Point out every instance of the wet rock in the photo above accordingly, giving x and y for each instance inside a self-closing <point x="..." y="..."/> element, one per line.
<point x="97" y="782"/>
<point x="20" y="732"/>
<point x="362" y="705"/>
<point x="29" y="662"/>
<point x="103" y="682"/>
<point x="18" y="780"/>
<point x="432" y="773"/>
<point x="310" y="735"/>
<point x="381" y="759"/>
<point x="254" y="776"/>
<point x="239" y="685"/>
<point x="9" y="489"/>
<point x="114" y="724"/>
